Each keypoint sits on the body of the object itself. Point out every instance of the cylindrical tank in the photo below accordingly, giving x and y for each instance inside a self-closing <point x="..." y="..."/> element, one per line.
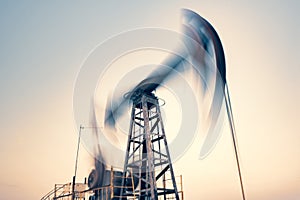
<point x="102" y="183"/>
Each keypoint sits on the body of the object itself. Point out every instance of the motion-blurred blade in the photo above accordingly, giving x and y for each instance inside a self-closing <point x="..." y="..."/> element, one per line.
<point x="203" y="32"/>
<point x="208" y="35"/>
<point x="206" y="46"/>
<point x="157" y="77"/>
<point x="115" y="108"/>
<point x="95" y="178"/>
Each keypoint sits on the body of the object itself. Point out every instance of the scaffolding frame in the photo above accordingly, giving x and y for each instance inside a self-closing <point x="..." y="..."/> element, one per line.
<point x="147" y="156"/>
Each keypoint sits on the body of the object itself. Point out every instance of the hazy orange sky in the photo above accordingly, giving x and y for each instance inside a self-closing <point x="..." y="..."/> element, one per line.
<point x="43" y="45"/>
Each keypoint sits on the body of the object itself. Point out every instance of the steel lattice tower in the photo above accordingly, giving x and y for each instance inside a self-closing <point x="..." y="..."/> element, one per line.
<point x="147" y="158"/>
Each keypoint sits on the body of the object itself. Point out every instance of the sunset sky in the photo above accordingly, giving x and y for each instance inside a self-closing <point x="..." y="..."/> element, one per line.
<point x="44" y="44"/>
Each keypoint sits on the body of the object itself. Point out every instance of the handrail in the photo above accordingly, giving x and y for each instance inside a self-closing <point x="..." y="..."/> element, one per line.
<point x="53" y="191"/>
<point x="106" y="191"/>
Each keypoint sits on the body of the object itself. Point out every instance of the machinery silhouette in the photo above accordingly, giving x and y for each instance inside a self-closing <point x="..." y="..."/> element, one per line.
<point x="148" y="166"/>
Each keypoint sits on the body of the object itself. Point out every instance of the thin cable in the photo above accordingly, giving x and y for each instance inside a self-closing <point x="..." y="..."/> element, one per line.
<point x="76" y="161"/>
<point x="232" y="128"/>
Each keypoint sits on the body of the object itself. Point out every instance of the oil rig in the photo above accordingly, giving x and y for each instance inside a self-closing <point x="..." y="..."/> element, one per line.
<point x="148" y="172"/>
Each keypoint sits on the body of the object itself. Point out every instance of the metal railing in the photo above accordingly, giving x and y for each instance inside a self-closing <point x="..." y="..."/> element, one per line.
<point x="108" y="192"/>
<point x="59" y="190"/>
